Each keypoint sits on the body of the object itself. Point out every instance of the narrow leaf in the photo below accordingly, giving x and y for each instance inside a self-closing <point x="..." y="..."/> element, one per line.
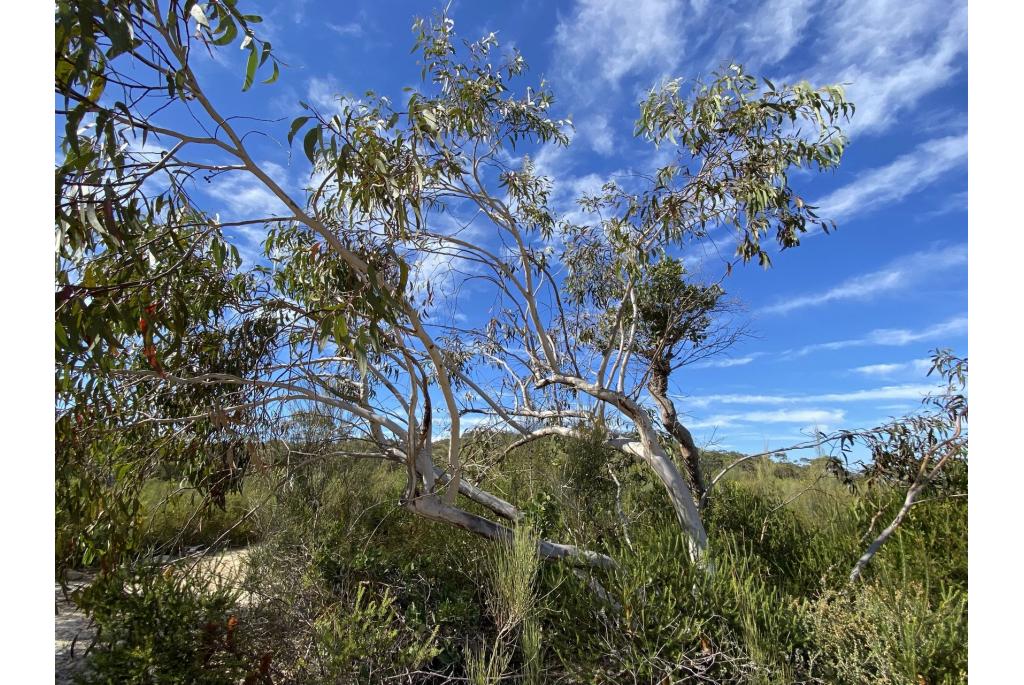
<point x="273" y="76"/>
<point x="296" y="125"/>
<point x="250" y="69"/>
<point x="309" y="142"/>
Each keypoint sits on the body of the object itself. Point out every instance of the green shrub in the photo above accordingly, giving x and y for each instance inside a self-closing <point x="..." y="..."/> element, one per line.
<point x="877" y="634"/>
<point x="167" y="627"/>
<point x="347" y="586"/>
<point x="511" y="567"/>
<point x="352" y="587"/>
<point x="666" y="620"/>
<point x="367" y="636"/>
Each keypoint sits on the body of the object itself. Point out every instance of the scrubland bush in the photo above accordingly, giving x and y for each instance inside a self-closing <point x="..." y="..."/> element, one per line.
<point x="165" y="626"/>
<point x="347" y="586"/>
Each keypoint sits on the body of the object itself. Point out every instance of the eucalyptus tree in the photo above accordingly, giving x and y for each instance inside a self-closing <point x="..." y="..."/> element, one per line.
<point x="919" y="453"/>
<point x="168" y="349"/>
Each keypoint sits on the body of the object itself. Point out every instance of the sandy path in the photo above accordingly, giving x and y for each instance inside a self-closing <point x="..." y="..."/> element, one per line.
<point x="72" y="632"/>
<point x="71" y="627"/>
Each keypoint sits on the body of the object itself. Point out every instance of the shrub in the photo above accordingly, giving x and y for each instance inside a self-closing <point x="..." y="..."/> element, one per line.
<point x="350" y="587"/>
<point x="878" y="634"/>
<point x="511" y="567"/>
<point x="168" y="627"/>
<point x="367" y="637"/>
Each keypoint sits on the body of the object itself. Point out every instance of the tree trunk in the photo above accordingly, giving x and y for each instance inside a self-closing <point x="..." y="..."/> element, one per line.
<point x="430" y="506"/>
<point x="649" y="450"/>
<point x="877" y="543"/>
<point x="658" y="387"/>
<point x="679" y="493"/>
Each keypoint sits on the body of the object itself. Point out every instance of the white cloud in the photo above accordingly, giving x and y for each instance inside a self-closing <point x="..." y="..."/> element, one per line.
<point x="891" y="53"/>
<point x="775" y="29"/>
<point x="441" y="264"/>
<point x="888" y="392"/>
<point x="551" y="160"/>
<point x="566" y="191"/>
<point x="245" y="197"/>
<point x="726" y="363"/>
<point x="957" y="202"/>
<point x="892" y="336"/>
<point x="434" y="269"/>
<point x="891" y="183"/>
<point x="899" y="274"/>
<point x="352" y="29"/>
<point x="800" y="416"/>
<point x="323" y="93"/>
<point x="915" y="367"/>
<point x="603" y="42"/>
<point x="241" y="196"/>
<point x="596" y="132"/>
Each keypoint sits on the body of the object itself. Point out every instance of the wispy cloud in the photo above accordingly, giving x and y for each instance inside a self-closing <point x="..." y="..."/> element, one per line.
<point x="243" y="195"/>
<point x="887" y="185"/>
<point x="240" y="195"/>
<point x="441" y="268"/>
<point x="891" y="53"/>
<point x="888" y="53"/>
<point x="916" y="367"/>
<point x="897" y="275"/>
<point x="351" y="29"/>
<point x="596" y="132"/>
<point x="799" y="416"/>
<point x="891" y="337"/>
<point x="603" y="42"/>
<point x="726" y="363"/>
<point x="957" y="202"/>
<point x="888" y="392"/>
<point x="775" y="29"/>
<point x="323" y="93"/>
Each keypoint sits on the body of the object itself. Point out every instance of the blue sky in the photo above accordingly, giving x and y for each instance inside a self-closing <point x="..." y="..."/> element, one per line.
<point x="841" y="325"/>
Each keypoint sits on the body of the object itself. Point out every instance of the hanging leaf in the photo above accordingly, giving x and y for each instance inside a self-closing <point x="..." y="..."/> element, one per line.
<point x="274" y="75"/>
<point x="309" y="143"/>
<point x="296" y="125"/>
<point x="250" y="69"/>
<point x="229" y="34"/>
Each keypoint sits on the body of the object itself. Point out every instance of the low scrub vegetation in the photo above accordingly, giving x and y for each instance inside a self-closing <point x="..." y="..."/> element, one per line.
<point x="344" y="585"/>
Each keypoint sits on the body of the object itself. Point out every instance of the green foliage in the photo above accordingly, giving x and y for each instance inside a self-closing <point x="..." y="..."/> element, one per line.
<point x="345" y="586"/>
<point x="169" y="357"/>
<point x="364" y="637"/>
<point x="752" y="171"/>
<point x="758" y="616"/>
<point x="359" y="589"/>
<point x="672" y="310"/>
<point x="511" y="568"/>
<point x="797" y="552"/>
<point x="97" y="498"/>
<point x="167" y="627"/>
<point x="889" y="634"/>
